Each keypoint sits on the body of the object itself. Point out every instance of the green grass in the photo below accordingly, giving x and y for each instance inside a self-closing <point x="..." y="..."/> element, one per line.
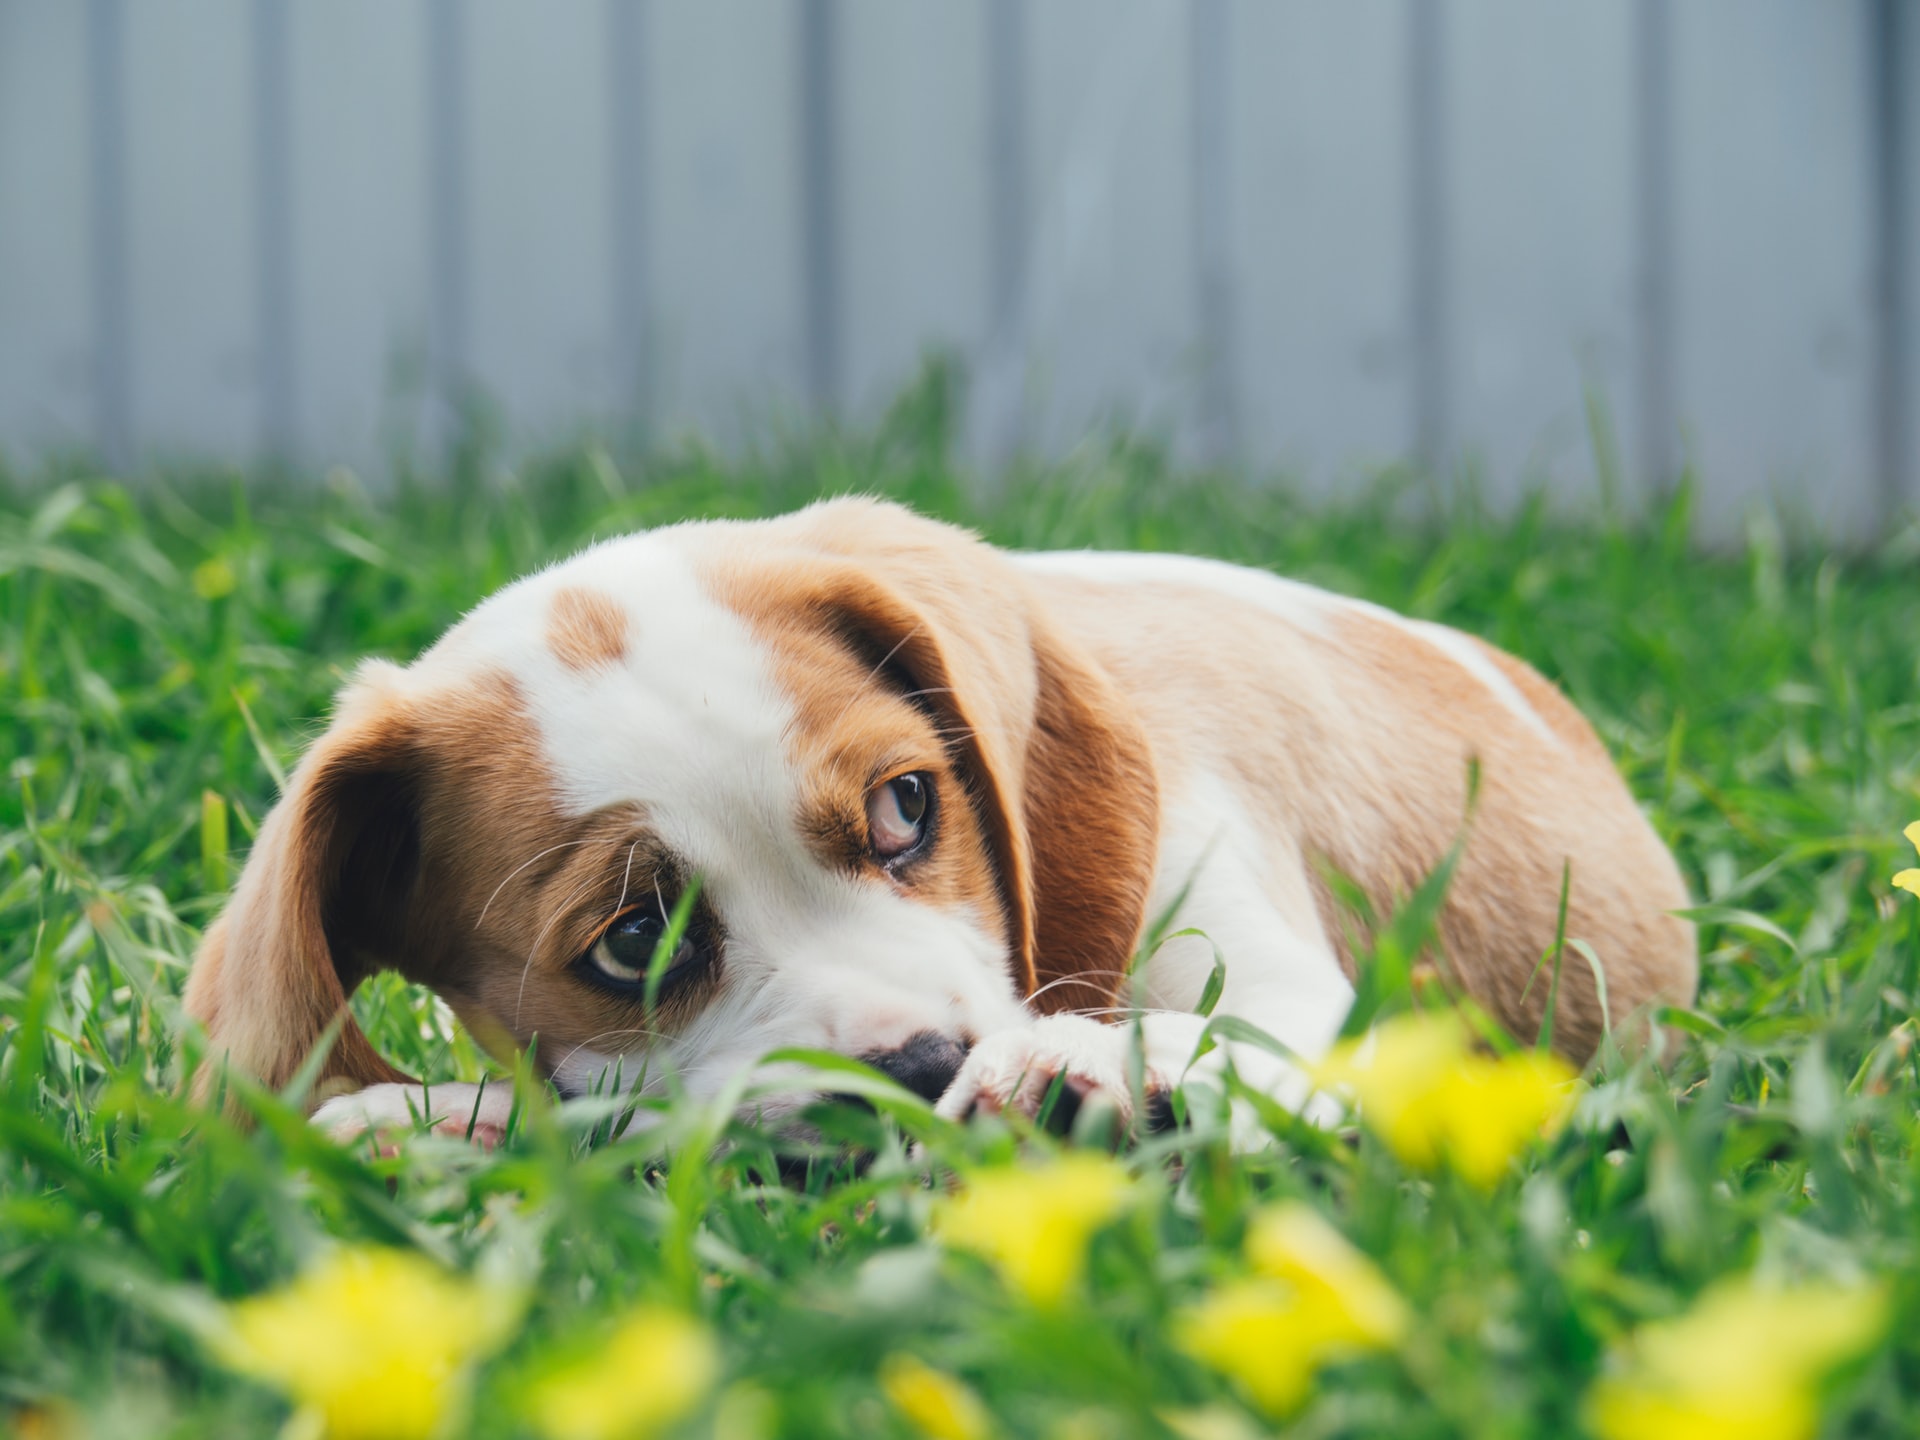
<point x="166" y="647"/>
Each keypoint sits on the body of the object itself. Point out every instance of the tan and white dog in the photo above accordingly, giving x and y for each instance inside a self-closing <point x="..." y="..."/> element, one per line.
<point x="934" y="792"/>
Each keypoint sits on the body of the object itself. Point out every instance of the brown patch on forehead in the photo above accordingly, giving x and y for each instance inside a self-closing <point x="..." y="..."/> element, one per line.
<point x="586" y="628"/>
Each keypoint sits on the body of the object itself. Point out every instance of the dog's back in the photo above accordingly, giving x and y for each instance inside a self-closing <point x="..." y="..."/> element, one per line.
<point x="1344" y="735"/>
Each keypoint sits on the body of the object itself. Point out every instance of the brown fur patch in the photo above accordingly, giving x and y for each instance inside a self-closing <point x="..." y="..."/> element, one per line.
<point x="585" y="628"/>
<point x="903" y="638"/>
<point x="421" y="835"/>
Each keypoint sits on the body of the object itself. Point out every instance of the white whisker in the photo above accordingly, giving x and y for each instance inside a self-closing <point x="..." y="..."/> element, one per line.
<point x="639" y="1030"/>
<point x="1079" y="979"/>
<point x="625" y="876"/>
<point x="884" y="659"/>
<point x="563" y="845"/>
<point x="533" y="950"/>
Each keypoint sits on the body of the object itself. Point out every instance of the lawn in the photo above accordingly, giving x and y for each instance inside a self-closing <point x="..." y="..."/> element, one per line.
<point x="166" y="647"/>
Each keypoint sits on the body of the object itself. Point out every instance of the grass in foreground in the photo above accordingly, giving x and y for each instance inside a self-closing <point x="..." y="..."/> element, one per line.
<point x="165" y="650"/>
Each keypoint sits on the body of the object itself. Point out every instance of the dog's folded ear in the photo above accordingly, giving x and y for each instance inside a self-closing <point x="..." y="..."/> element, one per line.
<point x="1058" y="765"/>
<point x="321" y="904"/>
<point x="1089" y="804"/>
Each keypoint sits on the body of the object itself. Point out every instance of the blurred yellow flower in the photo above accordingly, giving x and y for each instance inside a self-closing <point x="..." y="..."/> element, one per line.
<point x="1032" y="1224"/>
<point x="1910" y="879"/>
<point x="214" y="579"/>
<point x="651" y="1372"/>
<point x="1353" y="1301"/>
<point x="374" y="1344"/>
<point x="932" y="1401"/>
<point x="1214" y="1422"/>
<point x="1744" y="1363"/>
<point x="1432" y="1099"/>
<point x="1313" y="1299"/>
<point x="1257" y="1334"/>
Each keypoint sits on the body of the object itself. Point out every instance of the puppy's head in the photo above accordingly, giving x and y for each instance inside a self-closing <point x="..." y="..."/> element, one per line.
<point x="906" y="813"/>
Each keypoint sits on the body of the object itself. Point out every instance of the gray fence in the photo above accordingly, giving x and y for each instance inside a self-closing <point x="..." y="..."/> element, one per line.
<point x="1308" y="233"/>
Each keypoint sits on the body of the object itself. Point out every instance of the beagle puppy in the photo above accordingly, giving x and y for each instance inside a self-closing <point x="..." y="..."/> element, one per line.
<point x="925" y="797"/>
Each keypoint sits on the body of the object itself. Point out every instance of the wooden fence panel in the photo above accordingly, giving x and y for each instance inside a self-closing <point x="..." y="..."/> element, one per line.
<point x="1319" y="233"/>
<point x="361" y="238"/>
<point x="1284" y="233"/>
<point x="538" y="218"/>
<point x="1543" y="273"/>
<point x="192" y="343"/>
<point x="1773" y="329"/>
<point x="48" y="388"/>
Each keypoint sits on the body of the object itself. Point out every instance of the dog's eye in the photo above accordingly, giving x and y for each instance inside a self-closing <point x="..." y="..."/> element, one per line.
<point x="625" y="948"/>
<point x="897" y="815"/>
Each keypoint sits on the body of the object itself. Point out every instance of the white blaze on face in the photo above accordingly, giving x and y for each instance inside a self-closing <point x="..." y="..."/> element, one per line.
<point x="688" y="724"/>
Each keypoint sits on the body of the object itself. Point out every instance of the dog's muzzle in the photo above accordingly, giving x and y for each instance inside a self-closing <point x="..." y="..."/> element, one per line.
<point x="925" y="1064"/>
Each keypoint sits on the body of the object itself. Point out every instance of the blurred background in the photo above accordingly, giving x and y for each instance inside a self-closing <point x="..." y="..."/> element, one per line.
<point x="1509" y="242"/>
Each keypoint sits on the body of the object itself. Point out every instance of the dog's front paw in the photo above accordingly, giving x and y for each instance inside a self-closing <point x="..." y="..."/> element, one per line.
<point x="475" y="1112"/>
<point x="1015" y="1069"/>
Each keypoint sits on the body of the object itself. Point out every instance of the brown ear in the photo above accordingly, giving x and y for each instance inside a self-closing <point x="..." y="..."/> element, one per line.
<point x="1091" y="809"/>
<point x="1058" y="765"/>
<point x="320" y="905"/>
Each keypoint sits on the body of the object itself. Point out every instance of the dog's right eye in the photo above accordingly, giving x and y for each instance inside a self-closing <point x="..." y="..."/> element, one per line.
<point x="624" y="952"/>
<point x="897" y="815"/>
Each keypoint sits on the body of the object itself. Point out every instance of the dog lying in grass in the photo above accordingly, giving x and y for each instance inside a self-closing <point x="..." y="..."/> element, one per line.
<point x="916" y="800"/>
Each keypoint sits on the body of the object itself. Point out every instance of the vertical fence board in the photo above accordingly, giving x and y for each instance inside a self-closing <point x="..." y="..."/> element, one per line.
<point x="46" y="358"/>
<point x="913" y="130"/>
<point x="725" y="151"/>
<point x="1656" y="441"/>
<point x="1543" y="264"/>
<point x="359" y="188"/>
<point x="541" y="307"/>
<point x="1773" y="337"/>
<point x="1908" y="76"/>
<point x="1109" y="312"/>
<point x="1319" y="233"/>
<point x="193" y="348"/>
<point x="276" y="338"/>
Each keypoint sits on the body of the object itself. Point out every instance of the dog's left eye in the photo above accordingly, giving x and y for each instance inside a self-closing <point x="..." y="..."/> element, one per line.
<point x="624" y="952"/>
<point x="897" y="815"/>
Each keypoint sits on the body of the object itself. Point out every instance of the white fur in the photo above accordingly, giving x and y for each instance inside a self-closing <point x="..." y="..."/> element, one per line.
<point x="1306" y="608"/>
<point x="455" y="1110"/>
<point x="1253" y="909"/>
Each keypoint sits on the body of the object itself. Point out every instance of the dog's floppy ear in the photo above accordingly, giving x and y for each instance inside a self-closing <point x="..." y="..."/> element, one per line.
<point x="321" y="904"/>
<point x="1059" y="767"/>
<point x="1090" y="807"/>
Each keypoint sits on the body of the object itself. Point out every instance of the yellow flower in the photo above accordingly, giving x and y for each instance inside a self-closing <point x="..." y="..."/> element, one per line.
<point x="1353" y="1302"/>
<point x="932" y="1401"/>
<point x="1910" y="879"/>
<point x="1743" y="1364"/>
<point x="1033" y="1224"/>
<point x="375" y="1344"/>
<point x="650" y="1373"/>
<point x="213" y="579"/>
<point x="1426" y="1093"/>
<point x="1314" y="1299"/>
<point x="1215" y="1422"/>
<point x="1257" y="1334"/>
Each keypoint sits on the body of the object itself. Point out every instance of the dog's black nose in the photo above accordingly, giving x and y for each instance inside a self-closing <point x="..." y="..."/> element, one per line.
<point x="925" y="1064"/>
